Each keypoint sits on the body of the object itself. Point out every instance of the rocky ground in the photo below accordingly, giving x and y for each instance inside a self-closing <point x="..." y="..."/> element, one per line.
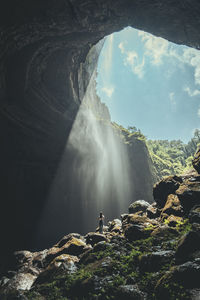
<point x="153" y="252"/>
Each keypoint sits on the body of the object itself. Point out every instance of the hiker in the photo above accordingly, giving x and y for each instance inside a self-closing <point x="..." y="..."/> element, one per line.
<point x="101" y="218"/>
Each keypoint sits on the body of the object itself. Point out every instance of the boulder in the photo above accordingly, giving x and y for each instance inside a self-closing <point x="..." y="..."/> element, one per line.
<point x="73" y="247"/>
<point x="124" y="217"/>
<point x="189" y="195"/>
<point x="173" y="221"/>
<point x="115" y="226"/>
<point x="129" y="292"/>
<point x="188" y="244"/>
<point x="135" y="232"/>
<point x="194" y="294"/>
<point x="63" y="262"/>
<point x="173" y="206"/>
<point x="139" y="205"/>
<point x="165" y="187"/>
<point x="93" y="238"/>
<point x="22" y="257"/>
<point x="153" y="262"/>
<point x="194" y="215"/>
<point x="196" y="161"/>
<point x="21" y="281"/>
<point x="164" y="231"/>
<point x="153" y="212"/>
<point x="68" y="237"/>
<point x="185" y="276"/>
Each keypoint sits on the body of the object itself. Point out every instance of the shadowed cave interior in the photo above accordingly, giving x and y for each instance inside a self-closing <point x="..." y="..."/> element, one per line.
<point x="44" y="78"/>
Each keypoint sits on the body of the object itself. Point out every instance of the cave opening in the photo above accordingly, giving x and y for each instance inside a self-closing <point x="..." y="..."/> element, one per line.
<point x="151" y="84"/>
<point x="43" y="79"/>
<point x="99" y="150"/>
<point x="43" y="49"/>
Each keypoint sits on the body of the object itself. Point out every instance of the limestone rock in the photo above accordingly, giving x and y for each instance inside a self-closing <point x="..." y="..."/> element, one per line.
<point x="93" y="238"/>
<point x="165" y="187"/>
<point x="135" y="232"/>
<point x="73" y="247"/>
<point x="153" y="212"/>
<point x="187" y="245"/>
<point x="68" y="237"/>
<point x="64" y="262"/>
<point x="173" y="206"/>
<point x="186" y="275"/>
<point x="194" y="215"/>
<point x="152" y="262"/>
<point x="130" y="292"/>
<point x="115" y="226"/>
<point x="164" y="231"/>
<point x="139" y="205"/>
<point x="189" y="194"/>
<point x="173" y="221"/>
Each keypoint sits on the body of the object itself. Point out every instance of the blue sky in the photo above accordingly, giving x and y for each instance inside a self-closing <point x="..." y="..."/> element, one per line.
<point x="150" y="83"/>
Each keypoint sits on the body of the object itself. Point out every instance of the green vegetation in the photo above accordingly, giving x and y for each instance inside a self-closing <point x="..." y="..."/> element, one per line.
<point x="168" y="157"/>
<point x="104" y="270"/>
<point x="173" y="157"/>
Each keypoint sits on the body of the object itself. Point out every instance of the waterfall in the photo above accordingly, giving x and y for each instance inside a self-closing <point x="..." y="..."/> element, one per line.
<point x="100" y="167"/>
<point x="93" y="175"/>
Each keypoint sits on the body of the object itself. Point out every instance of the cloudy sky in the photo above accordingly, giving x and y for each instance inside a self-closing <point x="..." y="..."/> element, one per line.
<point x="150" y="83"/>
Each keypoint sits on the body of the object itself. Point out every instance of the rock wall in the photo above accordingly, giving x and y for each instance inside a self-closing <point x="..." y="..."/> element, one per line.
<point x="42" y="44"/>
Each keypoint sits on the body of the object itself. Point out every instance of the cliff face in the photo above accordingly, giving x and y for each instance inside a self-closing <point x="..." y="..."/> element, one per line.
<point x="42" y="44"/>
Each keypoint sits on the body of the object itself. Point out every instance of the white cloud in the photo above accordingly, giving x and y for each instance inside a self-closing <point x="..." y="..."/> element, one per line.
<point x="192" y="57"/>
<point x="132" y="60"/>
<point x="155" y="47"/>
<point x="121" y="47"/>
<point x="198" y="112"/>
<point x="108" y="91"/>
<point x="190" y="92"/>
<point x="131" y="57"/>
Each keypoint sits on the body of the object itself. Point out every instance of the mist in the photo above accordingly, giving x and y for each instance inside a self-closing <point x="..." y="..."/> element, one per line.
<point x="93" y="175"/>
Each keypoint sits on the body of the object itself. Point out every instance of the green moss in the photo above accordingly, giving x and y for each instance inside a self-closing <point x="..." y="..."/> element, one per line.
<point x="119" y="262"/>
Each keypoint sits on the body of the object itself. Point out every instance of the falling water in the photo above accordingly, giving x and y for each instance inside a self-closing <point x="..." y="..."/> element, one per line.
<point x="93" y="175"/>
<point x="100" y="169"/>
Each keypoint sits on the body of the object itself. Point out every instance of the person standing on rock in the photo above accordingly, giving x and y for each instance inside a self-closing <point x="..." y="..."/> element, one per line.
<point x="101" y="218"/>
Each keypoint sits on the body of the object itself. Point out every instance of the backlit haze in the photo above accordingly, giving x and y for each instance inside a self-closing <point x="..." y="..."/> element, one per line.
<point x="150" y="83"/>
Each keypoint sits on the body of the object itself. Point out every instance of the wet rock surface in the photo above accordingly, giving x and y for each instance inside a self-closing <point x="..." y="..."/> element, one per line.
<point x="137" y="257"/>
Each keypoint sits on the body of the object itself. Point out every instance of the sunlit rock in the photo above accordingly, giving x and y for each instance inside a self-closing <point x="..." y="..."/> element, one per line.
<point x="139" y="205"/>
<point x="153" y="211"/>
<point x="73" y="246"/>
<point x="173" y="206"/>
<point x="173" y="221"/>
<point x="21" y="281"/>
<point x="165" y="187"/>
<point x="67" y="238"/>
<point x="115" y="226"/>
